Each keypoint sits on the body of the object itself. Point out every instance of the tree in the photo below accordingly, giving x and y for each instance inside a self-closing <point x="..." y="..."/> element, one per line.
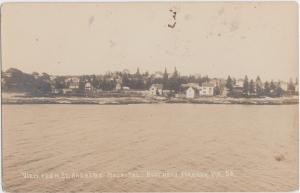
<point x="35" y="74"/>
<point x="175" y="74"/>
<point x="279" y="91"/>
<point x="234" y="81"/>
<point x="108" y="84"/>
<point x="272" y="89"/>
<point x="125" y="79"/>
<point x="137" y="72"/>
<point x="205" y="79"/>
<point x="291" y="86"/>
<point x="252" y="87"/>
<point x="165" y="79"/>
<point x="45" y="76"/>
<point x="267" y="88"/>
<point x="146" y="74"/>
<point x="246" y="85"/>
<point x="272" y="86"/>
<point x="229" y="83"/>
<point x="174" y="82"/>
<point x="259" y="86"/>
<point x="59" y="82"/>
<point x="217" y="90"/>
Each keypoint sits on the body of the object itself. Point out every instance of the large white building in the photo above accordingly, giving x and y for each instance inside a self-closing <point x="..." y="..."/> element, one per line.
<point x="207" y="89"/>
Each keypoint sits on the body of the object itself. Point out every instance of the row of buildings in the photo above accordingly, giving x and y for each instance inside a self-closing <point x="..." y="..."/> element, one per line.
<point x="194" y="90"/>
<point x="218" y="87"/>
<point x="212" y="87"/>
<point x="75" y="86"/>
<point x="190" y="90"/>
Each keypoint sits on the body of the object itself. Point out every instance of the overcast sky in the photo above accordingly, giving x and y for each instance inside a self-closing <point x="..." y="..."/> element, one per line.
<point x="215" y="39"/>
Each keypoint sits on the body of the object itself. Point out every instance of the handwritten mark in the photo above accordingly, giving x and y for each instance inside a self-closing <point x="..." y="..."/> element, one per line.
<point x="174" y="18"/>
<point x="172" y="26"/>
<point x="174" y="14"/>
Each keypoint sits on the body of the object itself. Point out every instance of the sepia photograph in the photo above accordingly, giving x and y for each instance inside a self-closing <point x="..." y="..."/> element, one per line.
<point x="150" y="96"/>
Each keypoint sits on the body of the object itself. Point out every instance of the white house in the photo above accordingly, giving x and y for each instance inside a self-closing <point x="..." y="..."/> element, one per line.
<point x="73" y="82"/>
<point x="239" y="83"/>
<point x="55" y="90"/>
<point x="118" y="86"/>
<point x="190" y="93"/>
<point x="88" y="86"/>
<point x="207" y="89"/>
<point x="156" y="89"/>
<point x="66" y="91"/>
<point x="192" y="90"/>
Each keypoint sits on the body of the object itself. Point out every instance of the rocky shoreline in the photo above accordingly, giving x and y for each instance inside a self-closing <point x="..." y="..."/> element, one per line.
<point x="149" y="100"/>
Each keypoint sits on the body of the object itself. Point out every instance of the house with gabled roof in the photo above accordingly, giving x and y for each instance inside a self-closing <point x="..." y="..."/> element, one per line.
<point x="156" y="90"/>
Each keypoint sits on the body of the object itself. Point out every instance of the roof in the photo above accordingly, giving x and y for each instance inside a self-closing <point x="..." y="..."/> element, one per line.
<point x="208" y="85"/>
<point x="73" y="79"/>
<point x="282" y="82"/>
<point x="191" y="85"/>
<point x="159" y="86"/>
<point x="237" y="87"/>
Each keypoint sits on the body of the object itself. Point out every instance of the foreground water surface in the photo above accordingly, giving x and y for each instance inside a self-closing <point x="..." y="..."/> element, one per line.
<point x="150" y="147"/>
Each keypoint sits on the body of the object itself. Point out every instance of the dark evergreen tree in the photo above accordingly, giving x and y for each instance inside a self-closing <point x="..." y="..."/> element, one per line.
<point x="272" y="86"/>
<point x="229" y="83"/>
<point x="137" y="72"/>
<point x="174" y="81"/>
<point x="252" y="87"/>
<point x="165" y="79"/>
<point x="259" y="86"/>
<point x="246" y="85"/>
<point x="291" y="87"/>
<point x="217" y="90"/>
<point x="267" y="88"/>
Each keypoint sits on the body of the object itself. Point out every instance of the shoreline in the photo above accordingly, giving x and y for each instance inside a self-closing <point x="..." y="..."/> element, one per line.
<point x="150" y="100"/>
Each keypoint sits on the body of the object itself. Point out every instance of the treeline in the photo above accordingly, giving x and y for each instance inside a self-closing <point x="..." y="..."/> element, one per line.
<point x="16" y="80"/>
<point x="40" y="84"/>
<point x="258" y="88"/>
<point x="141" y="81"/>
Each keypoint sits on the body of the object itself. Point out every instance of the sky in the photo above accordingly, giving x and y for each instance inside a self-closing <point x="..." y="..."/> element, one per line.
<point x="215" y="39"/>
